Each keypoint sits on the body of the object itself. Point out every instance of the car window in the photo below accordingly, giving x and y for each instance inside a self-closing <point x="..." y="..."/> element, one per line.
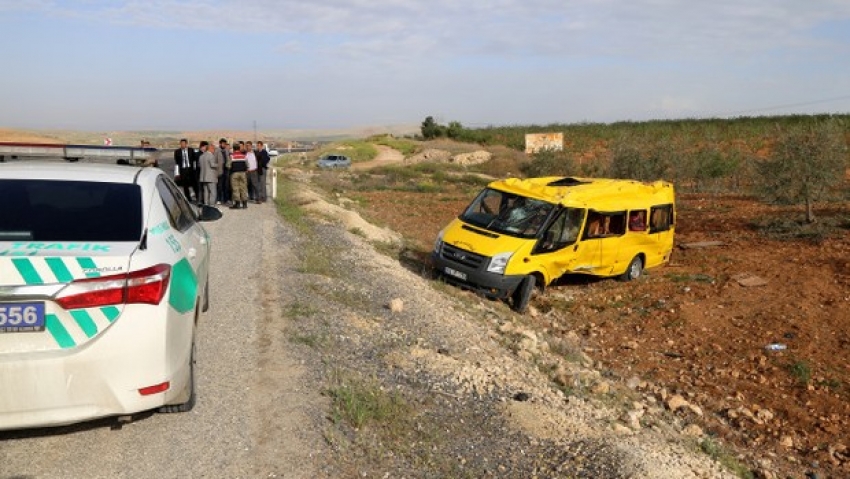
<point x="661" y="218"/>
<point x="61" y="210"/>
<point x="562" y="232"/>
<point x="179" y="211"/>
<point x="604" y="224"/>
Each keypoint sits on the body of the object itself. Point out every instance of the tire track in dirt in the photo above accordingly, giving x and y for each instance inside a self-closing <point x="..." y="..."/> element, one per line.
<point x="386" y="156"/>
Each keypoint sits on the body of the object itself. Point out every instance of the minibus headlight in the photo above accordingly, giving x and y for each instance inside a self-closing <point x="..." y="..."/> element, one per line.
<point x="498" y="263"/>
<point x="438" y="244"/>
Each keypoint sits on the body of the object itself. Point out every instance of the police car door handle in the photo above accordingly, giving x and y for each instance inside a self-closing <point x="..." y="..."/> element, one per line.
<point x="192" y="252"/>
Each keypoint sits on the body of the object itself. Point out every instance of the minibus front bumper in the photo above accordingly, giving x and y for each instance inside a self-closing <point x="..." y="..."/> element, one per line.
<point x="478" y="279"/>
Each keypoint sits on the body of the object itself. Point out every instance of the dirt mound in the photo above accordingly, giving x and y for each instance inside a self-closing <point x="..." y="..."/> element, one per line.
<point x="351" y="220"/>
<point x="430" y="154"/>
<point x="443" y="156"/>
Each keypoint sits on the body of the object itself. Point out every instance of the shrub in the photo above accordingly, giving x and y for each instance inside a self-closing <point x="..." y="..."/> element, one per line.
<point x="549" y="163"/>
<point x="807" y="161"/>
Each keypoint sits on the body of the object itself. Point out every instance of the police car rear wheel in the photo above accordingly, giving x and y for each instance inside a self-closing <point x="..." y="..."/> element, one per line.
<point x="189" y="392"/>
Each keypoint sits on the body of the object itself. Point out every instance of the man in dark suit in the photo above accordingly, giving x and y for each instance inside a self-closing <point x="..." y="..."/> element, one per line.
<point x="263" y="160"/>
<point x="187" y="169"/>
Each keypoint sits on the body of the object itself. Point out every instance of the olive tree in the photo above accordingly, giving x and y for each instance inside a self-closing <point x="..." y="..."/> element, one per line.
<point x="431" y="129"/>
<point x="642" y="159"/>
<point x="806" y="163"/>
<point x="549" y="163"/>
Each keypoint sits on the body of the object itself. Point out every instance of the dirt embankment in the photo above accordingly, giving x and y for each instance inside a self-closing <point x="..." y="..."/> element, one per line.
<point x="478" y="390"/>
<point x="693" y="337"/>
<point x="699" y="327"/>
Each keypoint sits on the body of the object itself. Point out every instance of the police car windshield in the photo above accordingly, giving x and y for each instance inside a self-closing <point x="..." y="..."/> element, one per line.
<point x="507" y="213"/>
<point x="58" y="210"/>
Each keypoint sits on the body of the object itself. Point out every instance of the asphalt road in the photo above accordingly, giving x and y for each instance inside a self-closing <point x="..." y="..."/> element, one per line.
<point x="225" y="435"/>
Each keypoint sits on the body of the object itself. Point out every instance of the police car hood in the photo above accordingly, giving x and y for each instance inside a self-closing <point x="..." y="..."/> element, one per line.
<point x="40" y="263"/>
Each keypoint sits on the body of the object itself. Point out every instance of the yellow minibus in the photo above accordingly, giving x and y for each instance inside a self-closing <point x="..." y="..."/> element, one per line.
<point x="522" y="234"/>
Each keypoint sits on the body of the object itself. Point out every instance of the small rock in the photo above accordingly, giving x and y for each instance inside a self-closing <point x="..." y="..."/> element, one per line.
<point x="763" y="473"/>
<point x="633" y="382"/>
<point x="396" y="305"/>
<point x="787" y="442"/>
<point x="528" y="344"/>
<point x="602" y="387"/>
<point x="695" y="409"/>
<point x="621" y="429"/>
<point x="633" y="419"/>
<point x="765" y="415"/>
<point x="522" y="396"/>
<point x="676" y="402"/>
<point x="692" y="430"/>
<point x="632" y="345"/>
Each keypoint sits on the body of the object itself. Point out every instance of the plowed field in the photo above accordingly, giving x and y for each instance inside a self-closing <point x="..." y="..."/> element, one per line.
<point x="700" y="326"/>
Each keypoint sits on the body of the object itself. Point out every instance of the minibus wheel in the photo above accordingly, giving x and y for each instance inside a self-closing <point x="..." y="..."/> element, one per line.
<point x="522" y="294"/>
<point x="635" y="269"/>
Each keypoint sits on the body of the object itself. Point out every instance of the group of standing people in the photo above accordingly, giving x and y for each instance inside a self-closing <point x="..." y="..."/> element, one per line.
<point x="225" y="175"/>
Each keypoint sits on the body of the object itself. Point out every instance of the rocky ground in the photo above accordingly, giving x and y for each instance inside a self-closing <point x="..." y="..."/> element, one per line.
<point x="466" y="388"/>
<point x="696" y="332"/>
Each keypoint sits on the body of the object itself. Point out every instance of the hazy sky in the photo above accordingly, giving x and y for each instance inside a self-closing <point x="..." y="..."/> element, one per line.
<point x="213" y="64"/>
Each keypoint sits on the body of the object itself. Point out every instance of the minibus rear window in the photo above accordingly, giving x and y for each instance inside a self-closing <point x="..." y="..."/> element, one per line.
<point x="660" y="218"/>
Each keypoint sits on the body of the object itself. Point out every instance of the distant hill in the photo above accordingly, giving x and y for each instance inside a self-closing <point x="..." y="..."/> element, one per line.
<point x="170" y="139"/>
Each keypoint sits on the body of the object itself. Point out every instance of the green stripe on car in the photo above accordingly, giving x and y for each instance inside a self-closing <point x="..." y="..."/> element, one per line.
<point x="57" y="266"/>
<point x="89" y="267"/>
<point x="85" y="322"/>
<point x="58" y="331"/>
<point x="184" y="286"/>
<point x="27" y="271"/>
<point x="111" y="312"/>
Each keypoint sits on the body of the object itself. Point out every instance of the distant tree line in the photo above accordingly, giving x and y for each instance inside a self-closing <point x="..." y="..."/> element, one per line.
<point x="797" y="159"/>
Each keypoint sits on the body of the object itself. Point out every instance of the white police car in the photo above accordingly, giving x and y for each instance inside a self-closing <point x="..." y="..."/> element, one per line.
<point x="103" y="276"/>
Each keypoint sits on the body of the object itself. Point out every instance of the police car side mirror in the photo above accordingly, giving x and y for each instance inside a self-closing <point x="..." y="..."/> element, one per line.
<point x="208" y="213"/>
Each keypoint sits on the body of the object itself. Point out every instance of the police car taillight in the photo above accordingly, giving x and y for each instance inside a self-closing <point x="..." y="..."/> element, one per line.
<point x="144" y="286"/>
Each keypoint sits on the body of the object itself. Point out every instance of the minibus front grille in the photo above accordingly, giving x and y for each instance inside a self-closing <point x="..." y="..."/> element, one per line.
<point x="462" y="256"/>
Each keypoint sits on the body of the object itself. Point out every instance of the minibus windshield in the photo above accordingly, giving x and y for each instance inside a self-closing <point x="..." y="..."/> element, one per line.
<point x="507" y="213"/>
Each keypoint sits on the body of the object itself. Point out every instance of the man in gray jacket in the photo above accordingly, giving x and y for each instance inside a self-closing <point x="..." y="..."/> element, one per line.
<point x="222" y="155"/>
<point x="208" y="174"/>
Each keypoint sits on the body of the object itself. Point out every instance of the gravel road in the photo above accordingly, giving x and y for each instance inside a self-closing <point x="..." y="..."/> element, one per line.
<point x="227" y="433"/>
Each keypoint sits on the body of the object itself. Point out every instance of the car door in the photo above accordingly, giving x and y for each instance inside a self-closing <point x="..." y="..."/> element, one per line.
<point x="189" y="237"/>
<point x="598" y="251"/>
<point x="556" y="248"/>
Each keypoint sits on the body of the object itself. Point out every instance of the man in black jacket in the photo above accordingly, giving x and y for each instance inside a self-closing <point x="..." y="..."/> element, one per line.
<point x="263" y="160"/>
<point x="187" y="169"/>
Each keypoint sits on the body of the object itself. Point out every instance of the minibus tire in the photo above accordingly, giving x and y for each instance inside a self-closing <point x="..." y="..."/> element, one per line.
<point x="635" y="269"/>
<point x="522" y="294"/>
